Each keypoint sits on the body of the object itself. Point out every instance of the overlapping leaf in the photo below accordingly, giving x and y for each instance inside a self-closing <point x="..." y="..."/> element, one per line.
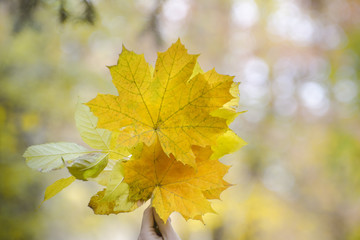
<point x="171" y="105"/>
<point x="88" y="165"/>
<point x="50" y="156"/>
<point x="173" y="119"/>
<point x="97" y="138"/>
<point x="114" y="198"/>
<point x="171" y="185"/>
<point x="81" y="162"/>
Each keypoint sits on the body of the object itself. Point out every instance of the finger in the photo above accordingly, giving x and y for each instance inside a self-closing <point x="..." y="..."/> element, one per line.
<point x="166" y="229"/>
<point x="148" y="219"/>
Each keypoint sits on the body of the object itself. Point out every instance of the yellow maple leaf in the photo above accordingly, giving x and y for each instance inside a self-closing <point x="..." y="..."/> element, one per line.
<point x="172" y="185"/>
<point x="172" y="104"/>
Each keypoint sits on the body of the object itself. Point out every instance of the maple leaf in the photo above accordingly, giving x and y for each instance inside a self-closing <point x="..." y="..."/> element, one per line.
<point x="173" y="104"/>
<point x="173" y="119"/>
<point x="172" y="185"/>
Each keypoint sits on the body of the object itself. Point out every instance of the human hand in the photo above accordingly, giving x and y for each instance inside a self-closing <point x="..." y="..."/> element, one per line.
<point x="152" y="226"/>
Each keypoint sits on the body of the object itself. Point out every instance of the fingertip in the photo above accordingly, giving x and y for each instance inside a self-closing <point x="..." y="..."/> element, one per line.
<point x="148" y="210"/>
<point x="148" y="218"/>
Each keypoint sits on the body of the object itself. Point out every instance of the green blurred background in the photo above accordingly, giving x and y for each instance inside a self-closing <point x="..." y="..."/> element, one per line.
<point x="298" y="63"/>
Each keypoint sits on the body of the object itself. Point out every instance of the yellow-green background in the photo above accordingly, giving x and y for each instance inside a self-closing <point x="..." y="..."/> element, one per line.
<point x="298" y="64"/>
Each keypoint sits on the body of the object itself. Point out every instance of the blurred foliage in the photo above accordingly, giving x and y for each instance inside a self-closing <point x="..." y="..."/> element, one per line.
<point x="24" y="11"/>
<point x="298" y="63"/>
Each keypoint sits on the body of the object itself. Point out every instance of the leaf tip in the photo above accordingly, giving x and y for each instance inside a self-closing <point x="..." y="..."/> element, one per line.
<point x="123" y="48"/>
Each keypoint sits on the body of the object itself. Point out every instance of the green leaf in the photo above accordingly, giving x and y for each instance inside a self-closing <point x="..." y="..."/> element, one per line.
<point x="97" y="138"/>
<point x="119" y="195"/>
<point x="117" y="152"/>
<point x="101" y="206"/>
<point x="86" y="124"/>
<point x="47" y="157"/>
<point x="114" y="198"/>
<point x="115" y="181"/>
<point x="88" y="165"/>
<point x="227" y="143"/>
<point x="57" y="187"/>
<point x="104" y="177"/>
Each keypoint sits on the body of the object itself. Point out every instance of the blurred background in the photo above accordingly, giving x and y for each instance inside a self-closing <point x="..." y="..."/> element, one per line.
<point x="298" y="63"/>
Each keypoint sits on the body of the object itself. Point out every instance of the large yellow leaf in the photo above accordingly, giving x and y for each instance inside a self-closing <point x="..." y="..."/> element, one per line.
<point x="172" y="105"/>
<point x="172" y="185"/>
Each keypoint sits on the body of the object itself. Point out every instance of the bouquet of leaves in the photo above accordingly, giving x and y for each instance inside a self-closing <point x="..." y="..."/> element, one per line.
<point x="160" y="138"/>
